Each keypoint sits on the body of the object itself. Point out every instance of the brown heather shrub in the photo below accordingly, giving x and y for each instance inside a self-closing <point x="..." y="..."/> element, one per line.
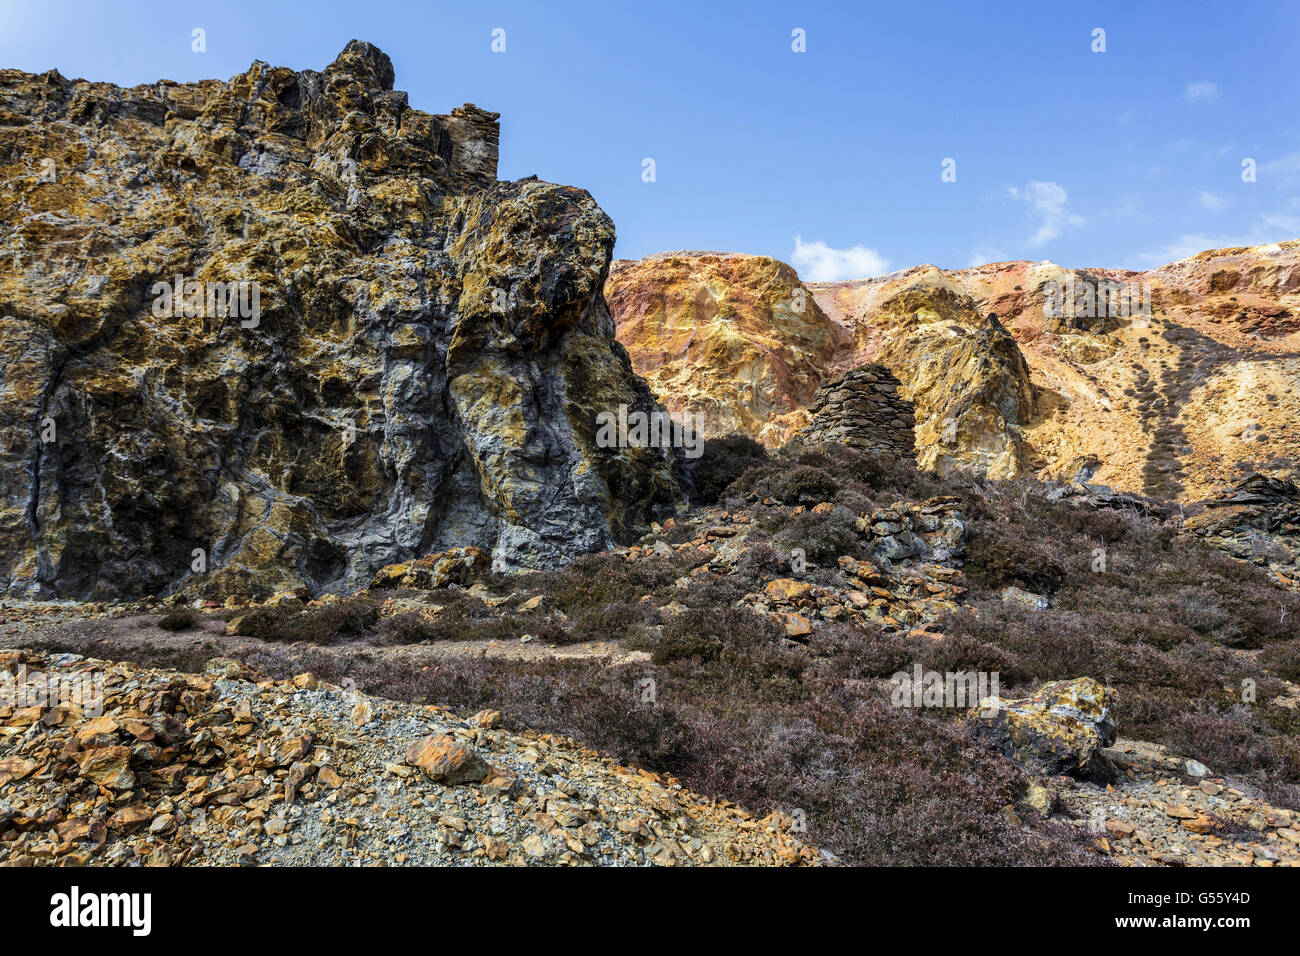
<point x="769" y="726"/>
<point x="823" y="537"/>
<point x="461" y="618"/>
<point x="613" y="621"/>
<point x="722" y="462"/>
<point x="330" y="624"/>
<point x="179" y="620"/>
<point x="594" y="580"/>
<point x="762" y="562"/>
<point x="1283" y="659"/>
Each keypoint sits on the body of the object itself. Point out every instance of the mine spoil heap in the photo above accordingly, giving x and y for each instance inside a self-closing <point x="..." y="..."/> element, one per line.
<point x="416" y="362"/>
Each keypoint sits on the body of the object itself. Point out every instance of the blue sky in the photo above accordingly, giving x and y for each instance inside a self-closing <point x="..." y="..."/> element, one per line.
<point x="830" y="158"/>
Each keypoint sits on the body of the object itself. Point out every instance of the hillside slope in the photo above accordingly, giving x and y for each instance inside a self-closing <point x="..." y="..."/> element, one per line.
<point x="1174" y="403"/>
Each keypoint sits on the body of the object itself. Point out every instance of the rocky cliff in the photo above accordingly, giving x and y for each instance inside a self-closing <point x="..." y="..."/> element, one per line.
<point x="1170" y="382"/>
<point x="283" y="330"/>
<point x="733" y="339"/>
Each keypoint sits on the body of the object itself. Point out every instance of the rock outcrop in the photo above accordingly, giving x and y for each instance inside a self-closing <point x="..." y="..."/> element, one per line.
<point x="1257" y="520"/>
<point x="862" y="409"/>
<point x="966" y="376"/>
<point x="284" y="330"/>
<point x="736" y="340"/>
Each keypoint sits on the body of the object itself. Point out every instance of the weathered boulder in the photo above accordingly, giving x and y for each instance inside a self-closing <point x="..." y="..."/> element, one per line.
<point x="284" y="330"/>
<point x="446" y="760"/>
<point x="930" y="530"/>
<point x="1025" y="599"/>
<point x="1061" y="729"/>
<point x="456" y="566"/>
<point x="1256" y="519"/>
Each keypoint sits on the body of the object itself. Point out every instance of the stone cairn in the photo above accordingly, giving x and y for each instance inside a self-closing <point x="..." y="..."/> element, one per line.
<point x="861" y="408"/>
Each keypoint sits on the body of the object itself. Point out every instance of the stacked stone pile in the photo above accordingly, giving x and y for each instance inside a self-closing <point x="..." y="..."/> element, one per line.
<point x="862" y="409"/>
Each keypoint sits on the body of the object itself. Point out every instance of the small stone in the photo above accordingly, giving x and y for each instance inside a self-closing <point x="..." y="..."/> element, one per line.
<point x="327" y="776"/>
<point x="796" y="625"/>
<point x="108" y="767"/>
<point x="787" y="590"/>
<point x="363" y="713"/>
<point x="535" y="846"/>
<point x="447" y="761"/>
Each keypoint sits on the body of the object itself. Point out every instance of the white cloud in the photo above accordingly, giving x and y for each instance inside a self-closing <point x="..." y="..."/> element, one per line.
<point x="1201" y="91"/>
<point x="1290" y="225"/>
<point x="1047" y="203"/>
<point x="1285" y="169"/>
<point x="1209" y="200"/>
<point x="818" y="262"/>
<point x="983" y="256"/>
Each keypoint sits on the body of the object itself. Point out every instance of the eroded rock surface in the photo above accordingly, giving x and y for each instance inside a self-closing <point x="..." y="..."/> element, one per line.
<point x="417" y="365"/>
<point x="1064" y="728"/>
<point x="1167" y="382"/>
<point x="1258" y="520"/>
<point x="736" y="340"/>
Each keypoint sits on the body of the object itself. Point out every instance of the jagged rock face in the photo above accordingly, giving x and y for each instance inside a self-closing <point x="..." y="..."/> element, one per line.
<point x="428" y="353"/>
<point x="966" y="377"/>
<point x="736" y="340"/>
<point x="1173" y="404"/>
<point x="863" y="409"/>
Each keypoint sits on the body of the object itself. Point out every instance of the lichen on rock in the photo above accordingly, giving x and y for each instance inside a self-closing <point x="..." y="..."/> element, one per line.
<point x="428" y="353"/>
<point x="1063" y="728"/>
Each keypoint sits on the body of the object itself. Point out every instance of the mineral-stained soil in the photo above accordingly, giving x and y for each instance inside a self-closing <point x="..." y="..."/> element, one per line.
<point x="228" y="768"/>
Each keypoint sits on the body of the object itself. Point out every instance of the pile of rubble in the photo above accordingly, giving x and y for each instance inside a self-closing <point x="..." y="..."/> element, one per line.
<point x="154" y="767"/>
<point x="1256" y="520"/>
<point x="862" y="409"/>
<point x="1166" y="810"/>
<point x="1095" y="495"/>
<point x="1139" y="803"/>
<point x="911" y="577"/>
